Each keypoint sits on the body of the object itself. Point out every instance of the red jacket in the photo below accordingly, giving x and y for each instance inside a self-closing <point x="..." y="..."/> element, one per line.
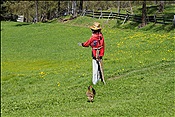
<point x="96" y="41"/>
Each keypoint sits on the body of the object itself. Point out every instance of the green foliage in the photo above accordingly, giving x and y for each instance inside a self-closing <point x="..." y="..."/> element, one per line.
<point x="52" y="9"/>
<point x="45" y="72"/>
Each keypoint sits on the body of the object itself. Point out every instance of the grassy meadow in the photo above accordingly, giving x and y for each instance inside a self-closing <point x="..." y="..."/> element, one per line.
<point x="44" y="73"/>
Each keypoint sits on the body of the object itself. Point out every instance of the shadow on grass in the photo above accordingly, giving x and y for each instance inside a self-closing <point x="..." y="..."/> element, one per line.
<point x="158" y="27"/>
<point x="155" y="27"/>
<point x="127" y="25"/>
<point x="152" y="9"/>
<point x="22" y="24"/>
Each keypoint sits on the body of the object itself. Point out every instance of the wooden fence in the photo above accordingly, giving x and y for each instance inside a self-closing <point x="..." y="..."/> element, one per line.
<point x="136" y="18"/>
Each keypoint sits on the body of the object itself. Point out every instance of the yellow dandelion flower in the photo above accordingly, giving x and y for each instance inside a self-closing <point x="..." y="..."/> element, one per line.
<point x="164" y="59"/>
<point x="58" y="84"/>
<point x="42" y="73"/>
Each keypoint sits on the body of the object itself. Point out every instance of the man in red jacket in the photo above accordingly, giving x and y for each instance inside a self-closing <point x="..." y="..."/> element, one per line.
<point x="97" y="44"/>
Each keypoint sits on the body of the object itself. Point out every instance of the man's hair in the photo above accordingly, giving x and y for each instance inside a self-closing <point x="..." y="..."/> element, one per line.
<point x="95" y="31"/>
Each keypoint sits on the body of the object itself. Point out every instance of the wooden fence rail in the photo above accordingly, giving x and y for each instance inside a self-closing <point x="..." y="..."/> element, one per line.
<point x="136" y="18"/>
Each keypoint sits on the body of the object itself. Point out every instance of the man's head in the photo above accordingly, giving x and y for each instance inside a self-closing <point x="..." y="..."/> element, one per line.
<point x="96" y="27"/>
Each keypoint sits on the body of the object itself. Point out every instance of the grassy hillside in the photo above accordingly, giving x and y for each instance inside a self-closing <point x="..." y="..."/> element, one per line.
<point x="113" y="23"/>
<point x="45" y="73"/>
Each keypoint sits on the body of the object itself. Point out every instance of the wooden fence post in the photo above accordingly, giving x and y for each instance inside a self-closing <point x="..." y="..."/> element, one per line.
<point x="174" y="21"/>
<point x="84" y="12"/>
<point x="155" y="18"/>
<point x="101" y="15"/>
<point x="126" y="17"/>
<point x="117" y="17"/>
<point x="109" y="15"/>
<point x="163" y="19"/>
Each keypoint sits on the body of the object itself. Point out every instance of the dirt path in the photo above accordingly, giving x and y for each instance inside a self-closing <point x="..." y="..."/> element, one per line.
<point x="142" y="69"/>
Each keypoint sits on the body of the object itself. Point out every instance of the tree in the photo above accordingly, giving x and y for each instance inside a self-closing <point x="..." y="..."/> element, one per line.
<point x="118" y="2"/>
<point x="81" y="6"/>
<point x="58" y="8"/>
<point x="131" y="7"/>
<point x="144" y="21"/>
<point x="161" y="6"/>
<point x="3" y="11"/>
<point x="74" y="10"/>
<point x="36" y="9"/>
<point x="68" y="7"/>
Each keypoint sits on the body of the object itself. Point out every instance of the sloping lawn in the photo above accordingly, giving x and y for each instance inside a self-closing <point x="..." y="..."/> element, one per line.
<point x="45" y="73"/>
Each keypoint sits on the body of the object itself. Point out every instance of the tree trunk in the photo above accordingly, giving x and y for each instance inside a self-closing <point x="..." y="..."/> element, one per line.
<point x="58" y="8"/>
<point x="74" y="4"/>
<point x="81" y="6"/>
<point x="68" y="8"/>
<point x="155" y="2"/>
<point x="27" y="15"/>
<point x="144" y="21"/>
<point x="131" y="7"/>
<point x="36" y="6"/>
<point x="161" y="6"/>
<point x="118" y="4"/>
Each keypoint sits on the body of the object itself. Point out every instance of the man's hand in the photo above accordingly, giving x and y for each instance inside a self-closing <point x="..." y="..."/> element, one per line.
<point x="80" y="44"/>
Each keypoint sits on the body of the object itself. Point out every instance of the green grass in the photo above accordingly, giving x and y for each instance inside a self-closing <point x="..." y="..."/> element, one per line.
<point x="45" y="73"/>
